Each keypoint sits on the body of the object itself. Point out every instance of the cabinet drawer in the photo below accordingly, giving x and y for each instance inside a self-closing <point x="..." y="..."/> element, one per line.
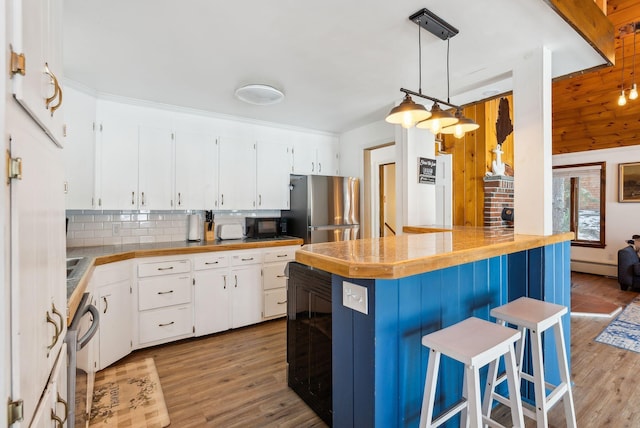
<point x="284" y="254"/>
<point x="211" y="261"/>
<point x="164" y="291"/>
<point x="164" y="323"/>
<point x="164" y="268"/>
<point x="273" y="276"/>
<point x="275" y="302"/>
<point x="245" y="259"/>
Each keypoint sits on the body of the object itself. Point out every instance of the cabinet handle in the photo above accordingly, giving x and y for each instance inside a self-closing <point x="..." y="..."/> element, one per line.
<point x="57" y="93"/>
<point x="236" y="280"/>
<point x="66" y="408"/>
<point x="142" y="198"/>
<point x="282" y="255"/>
<point x="106" y="304"/>
<point x="59" y="315"/>
<point x="224" y="278"/>
<point x="222" y="199"/>
<point x="179" y="199"/>
<point x="281" y="276"/>
<point x="59" y="422"/>
<point x="313" y="166"/>
<point x="166" y="324"/>
<point x="282" y="303"/>
<point x="319" y="167"/>
<point x="56" y="334"/>
<point x="259" y="200"/>
<point x="247" y="260"/>
<point x="167" y="268"/>
<point x="165" y="292"/>
<point x="211" y="263"/>
<point x="133" y="198"/>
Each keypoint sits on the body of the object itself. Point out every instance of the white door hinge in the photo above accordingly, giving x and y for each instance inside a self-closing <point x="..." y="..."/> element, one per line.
<point x="14" y="168"/>
<point x="15" y="411"/>
<point x="18" y="63"/>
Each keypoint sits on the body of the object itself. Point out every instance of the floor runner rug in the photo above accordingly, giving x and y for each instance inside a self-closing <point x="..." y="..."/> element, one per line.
<point x="129" y="395"/>
<point x="624" y="331"/>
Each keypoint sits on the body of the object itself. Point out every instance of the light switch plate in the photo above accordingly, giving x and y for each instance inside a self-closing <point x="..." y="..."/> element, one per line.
<point x="354" y="296"/>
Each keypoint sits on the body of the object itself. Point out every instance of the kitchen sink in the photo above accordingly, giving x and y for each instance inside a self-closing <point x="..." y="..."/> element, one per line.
<point x="72" y="264"/>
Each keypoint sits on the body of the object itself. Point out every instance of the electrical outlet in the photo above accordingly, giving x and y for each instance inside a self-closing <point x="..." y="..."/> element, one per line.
<point x="355" y="297"/>
<point x="115" y="228"/>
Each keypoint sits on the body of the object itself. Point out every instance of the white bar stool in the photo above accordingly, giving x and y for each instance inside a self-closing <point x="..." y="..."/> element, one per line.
<point x="535" y="316"/>
<point x="475" y="343"/>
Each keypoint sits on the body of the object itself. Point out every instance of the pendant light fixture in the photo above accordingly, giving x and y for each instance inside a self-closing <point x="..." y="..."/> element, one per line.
<point x="406" y="113"/>
<point x="463" y="126"/>
<point x="633" y="93"/>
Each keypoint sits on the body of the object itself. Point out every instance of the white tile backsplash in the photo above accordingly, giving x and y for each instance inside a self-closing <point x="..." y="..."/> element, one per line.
<point x="91" y="228"/>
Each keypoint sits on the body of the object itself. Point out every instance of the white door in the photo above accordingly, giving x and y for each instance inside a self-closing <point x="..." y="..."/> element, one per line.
<point x="196" y="163"/>
<point x="246" y="296"/>
<point x="272" y="169"/>
<point x="155" y="168"/>
<point x="237" y="178"/>
<point x="38" y="283"/>
<point x="114" y="304"/>
<point x="118" y="159"/>
<point x="211" y="301"/>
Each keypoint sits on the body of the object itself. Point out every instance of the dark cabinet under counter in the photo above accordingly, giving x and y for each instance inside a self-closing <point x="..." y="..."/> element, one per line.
<point x="309" y="337"/>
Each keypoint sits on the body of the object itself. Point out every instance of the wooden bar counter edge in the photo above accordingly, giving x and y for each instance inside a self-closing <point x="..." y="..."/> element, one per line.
<point x="421" y="249"/>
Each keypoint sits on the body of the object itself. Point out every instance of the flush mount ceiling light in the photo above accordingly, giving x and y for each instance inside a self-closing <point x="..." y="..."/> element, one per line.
<point x="408" y="113"/>
<point x="260" y="95"/>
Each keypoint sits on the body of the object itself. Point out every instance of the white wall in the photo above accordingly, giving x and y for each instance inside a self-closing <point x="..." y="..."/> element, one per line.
<point x="419" y="198"/>
<point x="622" y="219"/>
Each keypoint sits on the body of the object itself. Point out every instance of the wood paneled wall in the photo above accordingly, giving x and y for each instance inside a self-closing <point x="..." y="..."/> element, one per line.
<point x="586" y="115"/>
<point x="472" y="157"/>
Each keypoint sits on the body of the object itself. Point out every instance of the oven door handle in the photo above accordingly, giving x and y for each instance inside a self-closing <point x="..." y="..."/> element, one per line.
<point x="93" y="329"/>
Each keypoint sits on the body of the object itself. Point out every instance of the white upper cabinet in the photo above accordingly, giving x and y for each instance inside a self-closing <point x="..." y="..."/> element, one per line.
<point x="155" y="168"/>
<point x="36" y="62"/>
<point x="237" y="174"/>
<point x="79" y="152"/>
<point x="196" y="163"/>
<point x="273" y="165"/>
<point x="315" y="154"/>
<point x="117" y="172"/>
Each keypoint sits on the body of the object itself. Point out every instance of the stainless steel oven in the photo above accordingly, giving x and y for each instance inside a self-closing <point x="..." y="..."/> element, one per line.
<point x="80" y="370"/>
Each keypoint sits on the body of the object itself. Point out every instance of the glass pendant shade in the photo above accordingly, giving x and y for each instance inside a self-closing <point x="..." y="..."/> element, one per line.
<point x="633" y="93"/>
<point x="407" y="113"/>
<point x="463" y="126"/>
<point x="622" y="100"/>
<point x="438" y="120"/>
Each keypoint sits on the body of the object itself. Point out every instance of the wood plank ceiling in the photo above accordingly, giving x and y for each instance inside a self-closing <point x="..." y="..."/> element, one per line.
<point x="586" y="115"/>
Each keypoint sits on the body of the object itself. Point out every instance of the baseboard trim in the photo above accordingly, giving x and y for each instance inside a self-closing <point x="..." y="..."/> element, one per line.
<point x="596" y="268"/>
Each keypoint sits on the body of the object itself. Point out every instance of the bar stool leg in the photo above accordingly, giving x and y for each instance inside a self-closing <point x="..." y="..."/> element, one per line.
<point x="569" y="410"/>
<point x="513" y="379"/>
<point x="428" y="401"/>
<point x="473" y="396"/>
<point x="464" y="414"/>
<point x="538" y="376"/>
<point x="487" y="402"/>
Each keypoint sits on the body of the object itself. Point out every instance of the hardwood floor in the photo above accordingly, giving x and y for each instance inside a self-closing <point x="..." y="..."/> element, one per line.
<point x="238" y="378"/>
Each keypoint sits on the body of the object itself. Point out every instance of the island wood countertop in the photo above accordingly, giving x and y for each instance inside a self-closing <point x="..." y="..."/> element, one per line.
<point x="414" y="253"/>
<point x="101" y="255"/>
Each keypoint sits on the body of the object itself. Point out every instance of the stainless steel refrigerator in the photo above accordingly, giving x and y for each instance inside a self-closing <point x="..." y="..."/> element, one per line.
<point x="323" y="208"/>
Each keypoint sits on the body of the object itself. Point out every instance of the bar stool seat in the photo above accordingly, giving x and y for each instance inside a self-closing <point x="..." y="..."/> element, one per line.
<point x="475" y="343"/>
<point x="535" y="316"/>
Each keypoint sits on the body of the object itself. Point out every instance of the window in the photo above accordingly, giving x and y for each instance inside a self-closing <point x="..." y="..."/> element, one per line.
<point x="579" y="202"/>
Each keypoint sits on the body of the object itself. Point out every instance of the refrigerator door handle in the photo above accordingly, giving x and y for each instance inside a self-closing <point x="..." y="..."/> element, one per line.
<point x="334" y="226"/>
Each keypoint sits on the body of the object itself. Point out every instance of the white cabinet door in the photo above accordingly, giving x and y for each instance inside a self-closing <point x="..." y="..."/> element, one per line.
<point x="52" y="410"/>
<point x="327" y="160"/>
<point x="237" y="177"/>
<point x="155" y="168"/>
<point x="118" y="163"/>
<point x="272" y="169"/>
<point x="37" y="26"/>
<point x="246" y="296"/>
<point x="315" y="154"/>
<point x="211" y="301"/>
<point x="304" y="160"/>
<point x="196" y="163"/>
<point x="38" y="285"/>
<point x="114" y="304"/>
<point x="79" y="151"/>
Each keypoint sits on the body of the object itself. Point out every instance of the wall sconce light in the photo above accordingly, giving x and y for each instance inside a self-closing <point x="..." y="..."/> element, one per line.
<point x="408" y="113"/>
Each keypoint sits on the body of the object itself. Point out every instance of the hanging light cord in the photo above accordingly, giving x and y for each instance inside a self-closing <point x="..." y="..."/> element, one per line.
<point x="622" y="72"/>
<point x="634" y="52"/>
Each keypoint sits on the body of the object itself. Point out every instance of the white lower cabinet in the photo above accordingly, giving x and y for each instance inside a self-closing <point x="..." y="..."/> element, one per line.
<point x="165" y="311"/>
<point x="112" y="283"/>
<point x="53" y="408"/>
<point x="274" y="281"/>
<point x="246" y="299"/>
<point x="211" y="293"/>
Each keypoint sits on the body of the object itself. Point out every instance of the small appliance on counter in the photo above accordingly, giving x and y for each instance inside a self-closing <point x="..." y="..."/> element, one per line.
<point x="209" y="227"/>
<point x="194" y="228"/>
<point x="230" y="231"/>
<point x="263" y="227"/>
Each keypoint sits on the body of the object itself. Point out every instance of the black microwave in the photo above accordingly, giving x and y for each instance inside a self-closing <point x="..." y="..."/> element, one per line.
<point x="265" y="227"/>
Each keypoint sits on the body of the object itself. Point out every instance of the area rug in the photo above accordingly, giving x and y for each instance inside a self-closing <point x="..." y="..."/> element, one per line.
<point x="129" y="395"/>
<point x="624" y="331"/>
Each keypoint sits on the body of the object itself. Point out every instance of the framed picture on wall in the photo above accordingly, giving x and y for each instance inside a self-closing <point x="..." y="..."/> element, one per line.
<point x="629" y="182"/>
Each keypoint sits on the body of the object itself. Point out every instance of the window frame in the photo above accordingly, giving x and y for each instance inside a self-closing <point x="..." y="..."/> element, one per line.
<point x="573" y="220"/>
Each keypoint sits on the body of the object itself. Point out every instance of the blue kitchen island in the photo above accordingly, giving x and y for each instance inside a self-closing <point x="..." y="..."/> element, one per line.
<point x="415" y="284"/>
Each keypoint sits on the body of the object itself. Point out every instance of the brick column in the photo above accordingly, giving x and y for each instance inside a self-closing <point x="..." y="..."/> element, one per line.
<point x="498" y="194"/>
